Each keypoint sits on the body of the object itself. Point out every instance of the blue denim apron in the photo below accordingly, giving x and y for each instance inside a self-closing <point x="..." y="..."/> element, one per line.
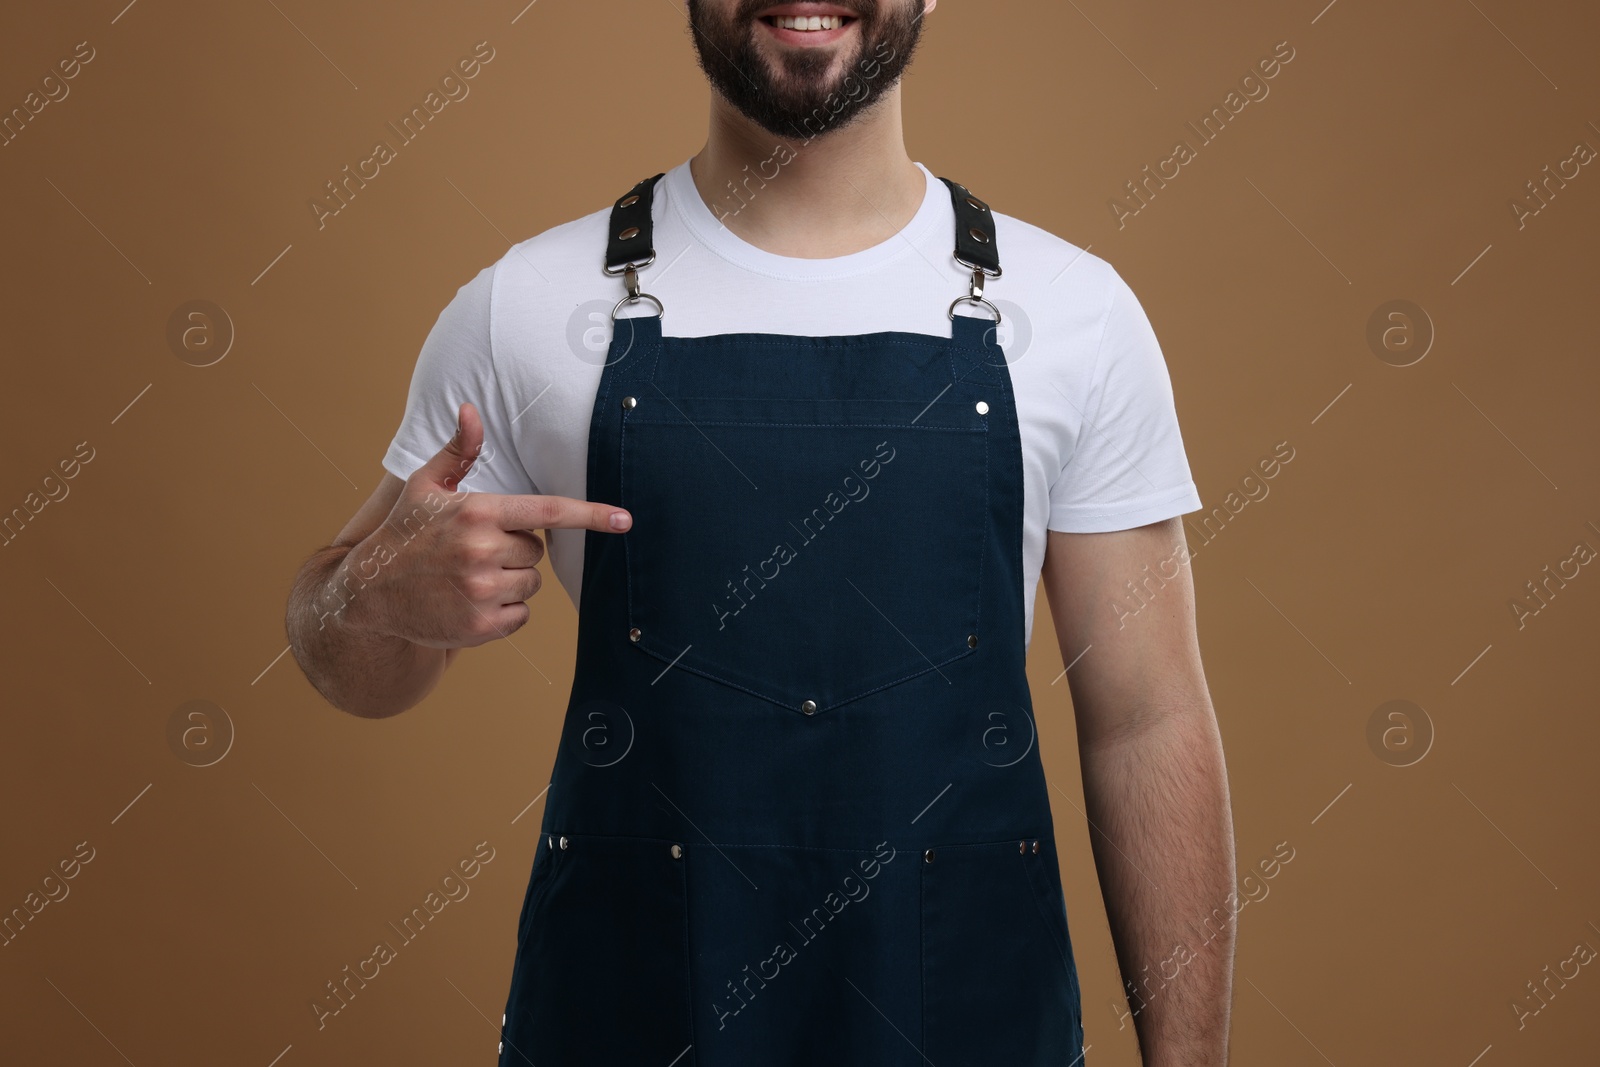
<point x="797" y="814"/>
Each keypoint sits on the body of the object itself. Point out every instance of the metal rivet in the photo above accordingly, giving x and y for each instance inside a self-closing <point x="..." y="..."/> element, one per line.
<point x="983" y="407"/>
<point x="975" y="204"/>
<point x="1022" y="847"/>
<point x="551" y="841"/>
<point x="979" y="236"/>
<point x="563" y="841"/>
<point x="633" y="231"/>
<point x="809" y="707"/>
<point x="502" y="1018"/>
<point x="629" y="403"/>
<point x="628" y="201"/>
<point x="633" y="634"/>
<point x="500" y="1047"/>
<point x="1036" y="848"/>
<point x="972" y="640"/>
<point x="677" y="852"/>
<point x="927" y="857"/>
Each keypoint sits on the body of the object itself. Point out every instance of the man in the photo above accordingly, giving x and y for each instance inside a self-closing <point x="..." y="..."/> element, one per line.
<point x="802" y="489"/>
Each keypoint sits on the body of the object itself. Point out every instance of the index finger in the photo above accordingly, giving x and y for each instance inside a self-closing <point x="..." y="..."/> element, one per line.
<point x="528" y="511"/>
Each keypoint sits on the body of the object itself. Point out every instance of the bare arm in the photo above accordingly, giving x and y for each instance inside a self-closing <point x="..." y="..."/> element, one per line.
<point x="423" y="570"/>
<point x="1155" y="784"/>
<point x="356" y="669"/>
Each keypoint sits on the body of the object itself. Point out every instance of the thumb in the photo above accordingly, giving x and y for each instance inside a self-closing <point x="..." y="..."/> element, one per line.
<point x="452" y="462"/>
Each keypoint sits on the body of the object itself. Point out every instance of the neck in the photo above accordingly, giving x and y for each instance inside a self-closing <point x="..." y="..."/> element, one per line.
<point x="843" y="191"/>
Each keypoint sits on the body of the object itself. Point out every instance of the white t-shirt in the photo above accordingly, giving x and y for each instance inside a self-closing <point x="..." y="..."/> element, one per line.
<point x="525" y="341"/>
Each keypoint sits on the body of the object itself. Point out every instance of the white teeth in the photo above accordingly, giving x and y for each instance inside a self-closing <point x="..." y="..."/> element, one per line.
<point x="814" y="22"/>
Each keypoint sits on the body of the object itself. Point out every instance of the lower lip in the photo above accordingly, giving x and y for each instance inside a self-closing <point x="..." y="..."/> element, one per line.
<point x="808" y="37"/>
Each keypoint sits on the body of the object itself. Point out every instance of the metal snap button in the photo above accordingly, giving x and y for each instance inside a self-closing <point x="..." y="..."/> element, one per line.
<point x="979" y="236"/>
<point x="629" y="403"/>
<point x="629" y="234"/>
<point x="628" y="201"/>
<point x="809" y="707"/>
<point x="563" y="841"/>
<point x="677" y="852"/>
<point x="634" y="634"/>
<point x="927" y="857"/>
<point x="982" y="406"/>
<point x="972" y="640"/>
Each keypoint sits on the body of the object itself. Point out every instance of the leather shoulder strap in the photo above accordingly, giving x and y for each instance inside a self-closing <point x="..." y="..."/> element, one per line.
<point x="975" y="238"/>
<point x="630" y="239"/>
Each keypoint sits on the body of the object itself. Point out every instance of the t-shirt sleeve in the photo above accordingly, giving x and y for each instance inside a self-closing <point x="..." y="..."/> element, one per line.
<point x="456" y="364"/>
<point x="1128" y="467"/>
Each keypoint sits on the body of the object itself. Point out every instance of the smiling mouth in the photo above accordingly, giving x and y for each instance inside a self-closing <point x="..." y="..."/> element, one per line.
<point x="807" y="24"/>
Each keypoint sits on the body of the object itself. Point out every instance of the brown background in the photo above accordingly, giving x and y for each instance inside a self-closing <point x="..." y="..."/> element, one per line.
<point x="1420" y="900"/>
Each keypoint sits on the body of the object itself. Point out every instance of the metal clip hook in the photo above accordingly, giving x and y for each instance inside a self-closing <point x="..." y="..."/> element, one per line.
<point x="630" y="280"/>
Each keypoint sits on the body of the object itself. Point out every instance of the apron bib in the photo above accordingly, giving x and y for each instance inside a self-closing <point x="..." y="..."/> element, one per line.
<point x="797" y="814"/>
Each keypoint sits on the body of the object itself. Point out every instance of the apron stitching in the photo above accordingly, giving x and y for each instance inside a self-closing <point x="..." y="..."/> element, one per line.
<point x="1063" y="951"/>
<point x="987" y="507"/>
<point x="702" y="672"/>
<point x="866" y="340"/>
<point x="622" y="494"/>
<point x="688" y="955"/>
<point x="1019" y="511"/>
<point x="922" y="953"/>
<point x="1009" y="840"/>
<point x="807" y="399"/>
<point x="814" y="425"/>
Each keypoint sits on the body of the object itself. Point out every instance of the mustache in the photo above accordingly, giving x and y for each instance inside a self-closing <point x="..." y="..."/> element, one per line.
<point x="866" y="10"/>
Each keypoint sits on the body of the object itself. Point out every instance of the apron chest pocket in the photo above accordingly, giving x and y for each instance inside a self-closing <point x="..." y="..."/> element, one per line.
<point x="807" y="552"/>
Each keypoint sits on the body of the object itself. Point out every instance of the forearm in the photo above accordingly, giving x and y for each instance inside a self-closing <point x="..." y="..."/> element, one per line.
<point x="1157" y="797"/>
<point x="355" y="668"/>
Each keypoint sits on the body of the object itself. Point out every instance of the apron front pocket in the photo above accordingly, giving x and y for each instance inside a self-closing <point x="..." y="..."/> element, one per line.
<point x="601" y="972"/>
<point x="807" y="552"/>
<point x="996" y="985"/>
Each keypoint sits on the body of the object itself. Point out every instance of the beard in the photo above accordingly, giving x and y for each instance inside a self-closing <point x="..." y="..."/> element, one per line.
<point x="802" y="99"/>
